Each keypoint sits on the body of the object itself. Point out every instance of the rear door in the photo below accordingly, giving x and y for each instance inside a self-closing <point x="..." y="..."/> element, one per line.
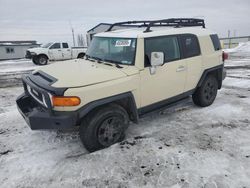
<point x="192" y="55"/>
<point x="66" y="51"/>
<point x="55" y="52"/>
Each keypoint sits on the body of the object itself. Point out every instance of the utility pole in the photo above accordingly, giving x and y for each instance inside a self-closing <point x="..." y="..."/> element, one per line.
<point x="73" y="34"/>
<point x="229" y="40"/>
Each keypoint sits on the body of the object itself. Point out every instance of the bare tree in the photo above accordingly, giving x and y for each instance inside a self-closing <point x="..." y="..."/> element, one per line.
<point x="80" y="40"/>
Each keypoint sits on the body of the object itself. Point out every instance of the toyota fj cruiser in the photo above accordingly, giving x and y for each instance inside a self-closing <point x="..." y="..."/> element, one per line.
<point x="126" y="73"/>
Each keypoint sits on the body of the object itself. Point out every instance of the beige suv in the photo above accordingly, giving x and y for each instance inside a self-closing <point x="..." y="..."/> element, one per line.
<point x="126" y="74"/>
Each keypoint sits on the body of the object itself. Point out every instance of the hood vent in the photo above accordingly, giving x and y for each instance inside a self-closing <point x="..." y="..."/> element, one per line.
<point x="43" y="80"/>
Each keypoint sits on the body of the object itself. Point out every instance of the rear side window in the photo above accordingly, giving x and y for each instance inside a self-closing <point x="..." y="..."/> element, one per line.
<point x="216" y="42"/>
<point x="190" y="46"/>
<point x="167" y="44"/>
<point x="65" y="45"/>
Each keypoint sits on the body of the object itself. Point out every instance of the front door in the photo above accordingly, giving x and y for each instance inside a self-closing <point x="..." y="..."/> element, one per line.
<point x="55" y="52"/>
<point x="66" y="51"/>
<point x="169" y="79"/>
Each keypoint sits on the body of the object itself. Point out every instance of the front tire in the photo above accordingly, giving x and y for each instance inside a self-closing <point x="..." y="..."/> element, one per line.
<point x="34" y="60"/>
<point x="207" y="92"/>
<point x="104" y="127"/>
<point x="42" y="60"/>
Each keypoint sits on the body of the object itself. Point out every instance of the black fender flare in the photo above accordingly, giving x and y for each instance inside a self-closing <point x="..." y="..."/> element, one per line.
<point x="128" y="97"/>
<point x="217" y="71"/>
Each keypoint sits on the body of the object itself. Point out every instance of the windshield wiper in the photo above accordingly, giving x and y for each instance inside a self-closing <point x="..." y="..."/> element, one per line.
<point x="115" y="62"/>
<point x="100" y="60"/>
<point x="111" y="61"/>
<point x="118" y="66"/>
<point x="90" y="58"/>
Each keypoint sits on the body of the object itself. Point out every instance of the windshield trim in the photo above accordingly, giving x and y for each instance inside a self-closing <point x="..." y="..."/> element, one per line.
<point x="120" y="63"/>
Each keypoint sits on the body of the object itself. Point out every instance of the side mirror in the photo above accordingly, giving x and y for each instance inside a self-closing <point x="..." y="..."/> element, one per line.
<point x="157" y="59"/>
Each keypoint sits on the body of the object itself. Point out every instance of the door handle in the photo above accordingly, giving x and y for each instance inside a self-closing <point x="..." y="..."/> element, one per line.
<point x="59" y="50"/>
<point x="181" y="68"/>
<point x="68" y="50"/>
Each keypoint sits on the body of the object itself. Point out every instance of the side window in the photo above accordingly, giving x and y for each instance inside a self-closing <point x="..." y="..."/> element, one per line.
<point x="9" y="50"/>
<point x="103" y="47"/>
<point x="216" y="42"/>
<point x="167" y="44"/>
<point x="65" y="45"/>
<point x="55" y="46"/>
<point x="190" y="46"/>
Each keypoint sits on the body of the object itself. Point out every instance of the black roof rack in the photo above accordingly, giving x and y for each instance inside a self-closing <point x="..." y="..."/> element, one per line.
<point x="172" y="22"/>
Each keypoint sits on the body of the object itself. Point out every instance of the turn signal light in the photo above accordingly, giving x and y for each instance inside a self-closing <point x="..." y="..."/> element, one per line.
<point x="65" y="101"/>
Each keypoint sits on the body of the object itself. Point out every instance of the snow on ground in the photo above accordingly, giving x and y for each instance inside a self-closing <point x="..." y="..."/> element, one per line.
<point x="12" y="70"/>
<point x="242" y="50"/>
<point x="179" y="147"/>
<point x="16" y="65"/>
<point x="183" y="146"/>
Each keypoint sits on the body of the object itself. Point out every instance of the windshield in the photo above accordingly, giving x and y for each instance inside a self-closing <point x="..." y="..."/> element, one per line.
<point x="114" y="50"/>
<point x="46" y="45"/>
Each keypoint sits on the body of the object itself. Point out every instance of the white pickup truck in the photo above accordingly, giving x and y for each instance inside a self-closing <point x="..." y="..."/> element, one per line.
<point x="54" y="51"/>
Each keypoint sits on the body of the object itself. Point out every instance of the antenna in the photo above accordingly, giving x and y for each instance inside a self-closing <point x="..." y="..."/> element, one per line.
<point x="73" y="34"/>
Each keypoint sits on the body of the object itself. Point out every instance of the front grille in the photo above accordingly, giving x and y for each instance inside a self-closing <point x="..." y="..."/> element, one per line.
<point x="28" y="54"/>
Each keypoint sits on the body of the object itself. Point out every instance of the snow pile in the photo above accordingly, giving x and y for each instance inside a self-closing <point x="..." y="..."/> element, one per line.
<point x="243" y="49"/>
<point x="20" y="65"/>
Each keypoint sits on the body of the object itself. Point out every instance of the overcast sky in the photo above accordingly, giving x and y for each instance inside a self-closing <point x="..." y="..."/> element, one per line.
<point x="48" y="20"/>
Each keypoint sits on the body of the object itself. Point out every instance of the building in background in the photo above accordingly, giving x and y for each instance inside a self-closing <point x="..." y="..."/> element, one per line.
<point x="232" y="42"/>
<point x="15" y="49"/>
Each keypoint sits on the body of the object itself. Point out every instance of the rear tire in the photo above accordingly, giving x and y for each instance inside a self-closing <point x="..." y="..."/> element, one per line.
<point x="104" y="127"/>
<point x="207" y="92"/>
<point x="81" y="55"/>
<point x="42" y="60"/>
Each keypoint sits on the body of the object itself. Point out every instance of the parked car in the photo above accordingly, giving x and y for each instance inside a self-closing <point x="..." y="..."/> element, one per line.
<point x="126" y="74"/>
<point x="54" y="51"/>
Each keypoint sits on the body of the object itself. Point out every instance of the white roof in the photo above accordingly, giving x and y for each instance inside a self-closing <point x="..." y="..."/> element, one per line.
<point x="156" y="31"/>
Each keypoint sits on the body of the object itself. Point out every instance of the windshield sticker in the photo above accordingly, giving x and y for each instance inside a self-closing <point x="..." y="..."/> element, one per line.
<point x="120" y="43"/>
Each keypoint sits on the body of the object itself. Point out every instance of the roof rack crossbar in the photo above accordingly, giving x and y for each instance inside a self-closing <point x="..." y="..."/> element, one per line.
<point x="172" y="22"/>
<point x="143" y="23"/>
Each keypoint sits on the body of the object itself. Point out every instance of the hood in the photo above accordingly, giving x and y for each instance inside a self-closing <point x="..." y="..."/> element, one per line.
<point x="38" y="50"/>
<point x="80" y="72"/>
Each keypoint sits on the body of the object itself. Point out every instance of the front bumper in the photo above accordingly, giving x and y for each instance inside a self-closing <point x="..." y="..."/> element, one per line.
<point x="29" y="55"/>
<point x="38" y="117"/>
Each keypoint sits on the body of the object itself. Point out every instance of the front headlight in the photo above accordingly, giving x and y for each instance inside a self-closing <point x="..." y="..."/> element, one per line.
<point x="32" y="53"/>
